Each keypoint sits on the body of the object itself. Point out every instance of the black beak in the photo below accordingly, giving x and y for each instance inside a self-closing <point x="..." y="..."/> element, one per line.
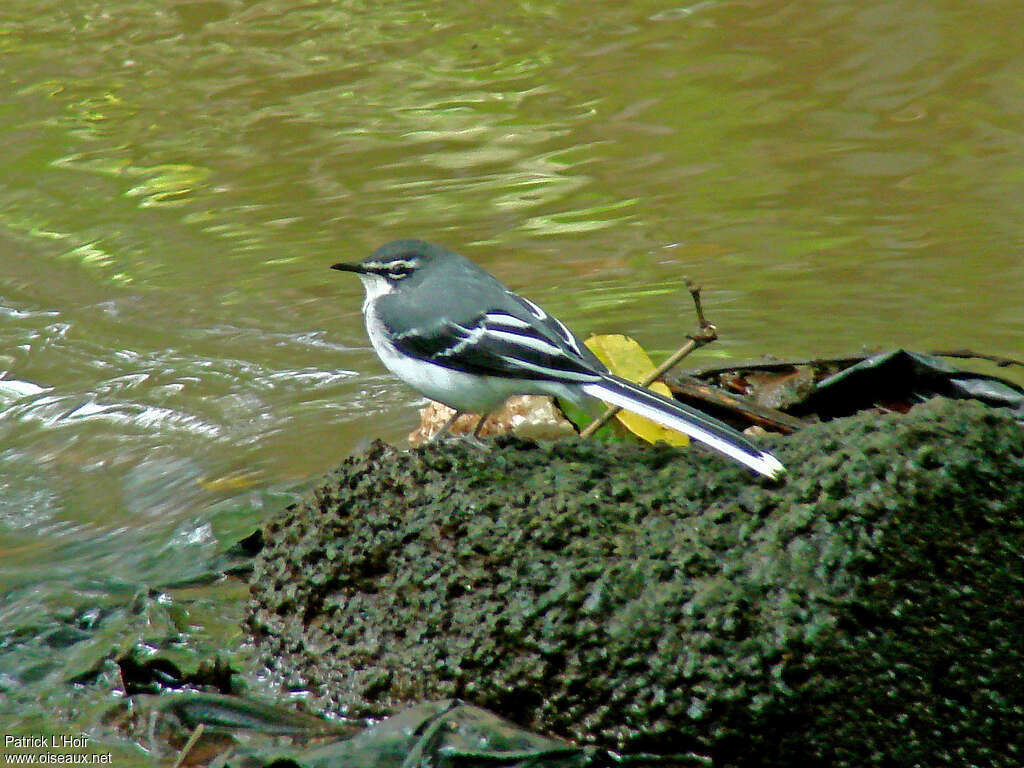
<point x="359" y="269"/>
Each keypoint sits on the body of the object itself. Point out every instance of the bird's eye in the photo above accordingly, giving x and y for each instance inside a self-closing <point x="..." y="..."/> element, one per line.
<point x="401" y="268"/>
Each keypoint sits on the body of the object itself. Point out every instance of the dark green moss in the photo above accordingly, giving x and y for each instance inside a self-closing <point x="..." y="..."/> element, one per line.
<point x="868" y="612"/>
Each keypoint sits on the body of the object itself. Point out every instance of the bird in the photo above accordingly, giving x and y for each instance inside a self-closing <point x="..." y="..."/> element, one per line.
<point x="454" y="333"/>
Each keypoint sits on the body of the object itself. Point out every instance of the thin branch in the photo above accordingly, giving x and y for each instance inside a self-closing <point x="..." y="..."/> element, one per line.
<point x="762" y="415"/>
<point x="188" y="745"/>
<point x="706" y="333"/>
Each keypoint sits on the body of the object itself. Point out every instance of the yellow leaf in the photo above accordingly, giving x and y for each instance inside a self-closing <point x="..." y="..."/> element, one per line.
<point x="625" y="358"/>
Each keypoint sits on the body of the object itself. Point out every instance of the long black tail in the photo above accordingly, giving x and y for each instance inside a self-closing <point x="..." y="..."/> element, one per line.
<point x="675" y="415"/>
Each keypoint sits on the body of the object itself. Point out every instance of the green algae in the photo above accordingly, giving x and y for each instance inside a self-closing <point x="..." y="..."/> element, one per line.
<point x="866" y="612"/>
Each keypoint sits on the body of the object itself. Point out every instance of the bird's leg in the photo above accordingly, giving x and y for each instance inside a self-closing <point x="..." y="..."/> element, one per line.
<point x="472" y="440"/>
<point x="445" y="427"/>
<point x="480" y="426"/>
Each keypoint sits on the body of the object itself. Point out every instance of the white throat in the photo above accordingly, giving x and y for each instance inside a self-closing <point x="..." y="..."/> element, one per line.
<point x="375" y="287"/>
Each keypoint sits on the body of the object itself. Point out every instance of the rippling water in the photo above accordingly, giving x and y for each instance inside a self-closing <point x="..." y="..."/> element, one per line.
<point x="177" y="177"/>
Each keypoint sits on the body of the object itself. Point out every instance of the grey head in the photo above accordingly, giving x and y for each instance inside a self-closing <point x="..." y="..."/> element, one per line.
<point x="420" y="276"/>
<point x="399" y="260"/>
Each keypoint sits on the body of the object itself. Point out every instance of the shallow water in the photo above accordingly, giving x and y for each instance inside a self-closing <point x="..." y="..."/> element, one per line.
<point x="178" y="177"/>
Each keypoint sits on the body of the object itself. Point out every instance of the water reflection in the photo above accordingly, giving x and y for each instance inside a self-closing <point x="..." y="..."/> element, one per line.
<point x="178" y="178"/>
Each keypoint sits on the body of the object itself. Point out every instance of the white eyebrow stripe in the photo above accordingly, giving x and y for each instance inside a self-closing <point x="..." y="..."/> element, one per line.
<point x="390" y="266"/>
<point x="403" y="264"/>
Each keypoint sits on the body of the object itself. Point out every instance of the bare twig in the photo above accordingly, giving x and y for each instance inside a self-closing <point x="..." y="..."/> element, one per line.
<point x="706" y="333"/>
<point x="1002" y="362"/>
<point x="762" y="415"/>
<point x="188" y="745"/>
<point x="702" y="323"/>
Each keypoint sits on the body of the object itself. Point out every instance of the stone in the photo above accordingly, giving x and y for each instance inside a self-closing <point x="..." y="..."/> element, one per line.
<point x="867" y="611"/>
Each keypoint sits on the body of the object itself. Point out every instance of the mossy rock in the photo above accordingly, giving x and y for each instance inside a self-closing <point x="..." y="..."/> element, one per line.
<point x="869" y="611"/>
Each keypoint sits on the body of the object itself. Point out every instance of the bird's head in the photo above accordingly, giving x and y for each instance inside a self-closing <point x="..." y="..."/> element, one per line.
<point x="392" y="263"/>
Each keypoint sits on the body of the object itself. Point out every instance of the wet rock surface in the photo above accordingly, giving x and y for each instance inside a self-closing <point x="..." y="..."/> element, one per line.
<point x="867" y="611"/>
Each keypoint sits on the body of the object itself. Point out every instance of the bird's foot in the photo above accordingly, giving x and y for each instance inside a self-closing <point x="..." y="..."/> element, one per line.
<point x="469" y="440"/>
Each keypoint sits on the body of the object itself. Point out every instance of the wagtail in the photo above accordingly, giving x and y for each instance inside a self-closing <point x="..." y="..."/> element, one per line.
<point x="452" y="332"/>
